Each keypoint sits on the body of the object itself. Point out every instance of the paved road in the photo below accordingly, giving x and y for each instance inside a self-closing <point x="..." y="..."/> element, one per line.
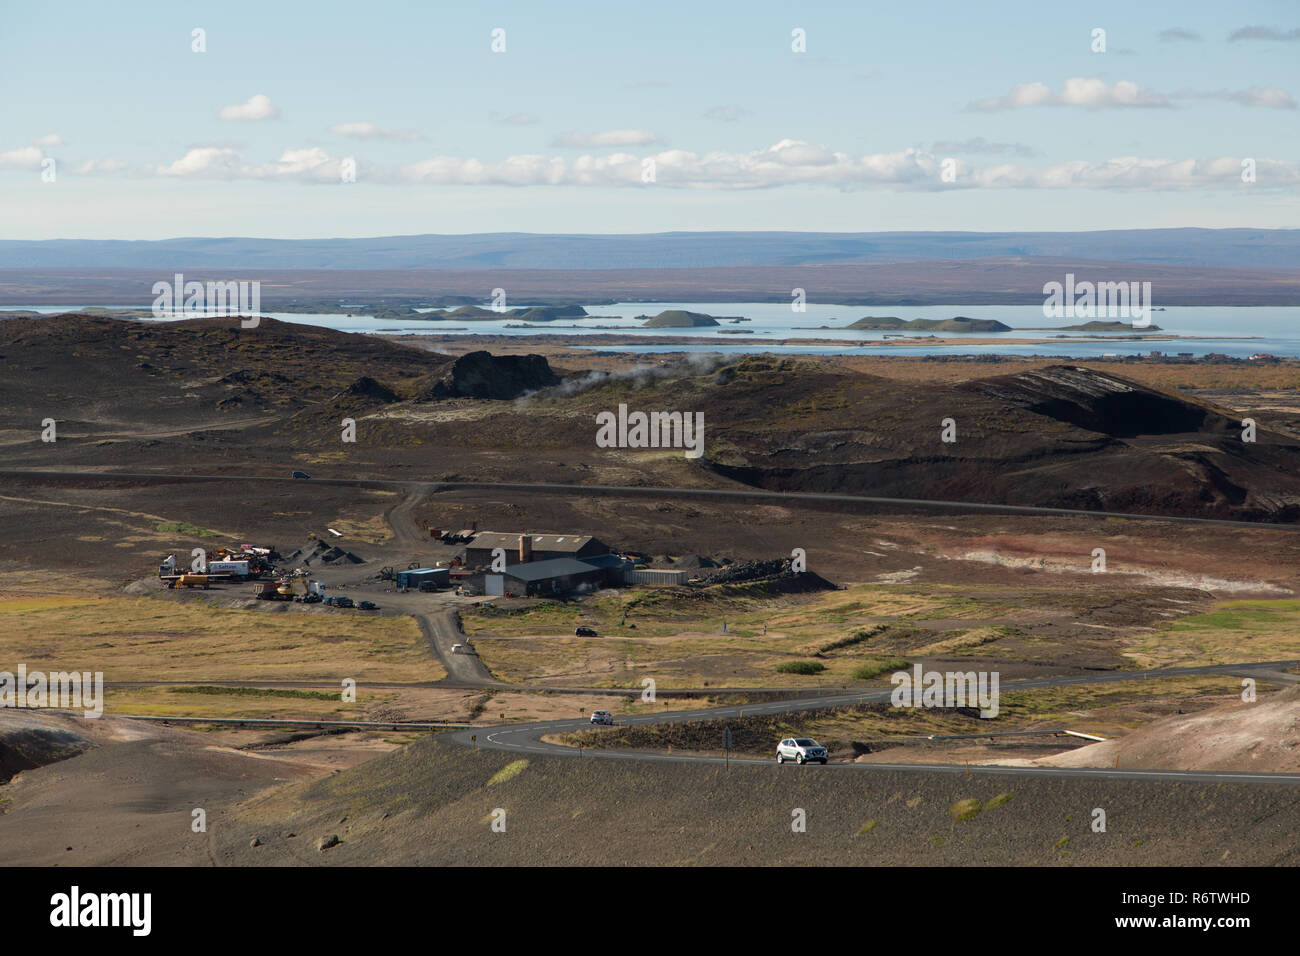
<point x="740" y="495"/>
<point x="526" y="738"/>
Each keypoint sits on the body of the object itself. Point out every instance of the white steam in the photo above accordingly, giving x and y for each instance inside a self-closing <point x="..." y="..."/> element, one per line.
<point x="694" y="363"/>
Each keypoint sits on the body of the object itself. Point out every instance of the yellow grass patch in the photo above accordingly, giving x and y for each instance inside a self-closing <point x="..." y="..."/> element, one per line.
<point x="1232" y="632"/>
<point x="508" y="772"/>
<point x="975" y="638"/>
<point x="145" y="639"/>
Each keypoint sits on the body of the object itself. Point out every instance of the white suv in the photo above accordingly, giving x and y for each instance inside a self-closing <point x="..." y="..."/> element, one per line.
<point x="601" y="717"/>
<point x="801" y="750"/>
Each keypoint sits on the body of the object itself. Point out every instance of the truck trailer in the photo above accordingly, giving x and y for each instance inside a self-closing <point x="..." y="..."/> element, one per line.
<point x="239" y="570"/>
<point x="417" y="577"/>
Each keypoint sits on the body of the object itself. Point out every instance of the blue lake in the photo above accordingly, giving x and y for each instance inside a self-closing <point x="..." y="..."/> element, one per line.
<point x="774" y="327"/>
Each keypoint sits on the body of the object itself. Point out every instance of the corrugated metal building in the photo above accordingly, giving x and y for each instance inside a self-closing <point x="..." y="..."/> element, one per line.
<point x="556" y="576"/>
<point x="655" y="577"/>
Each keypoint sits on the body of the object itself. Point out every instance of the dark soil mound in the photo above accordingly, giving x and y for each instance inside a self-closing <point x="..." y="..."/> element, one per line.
<point x="367" y="387"/>
<point x="1102" y="403"/>
<point x="25" y="745"/>
<point x="774" y="575"/>
<point x="484" y="375"/>
<point x="338" y="554"/>
<point x="693" y="561"/>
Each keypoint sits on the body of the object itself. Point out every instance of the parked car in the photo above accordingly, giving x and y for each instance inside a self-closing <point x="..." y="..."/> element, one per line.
<point x="584" y="631"/>
<point x="461" y="649"/>
<point x="368" y="606"/>
<point x="329" y="601"/>
<point x="602" y="717"/>
<point x="301" y="474"/>
<point x="341" y="601"/>
<point x="801" y="750"/>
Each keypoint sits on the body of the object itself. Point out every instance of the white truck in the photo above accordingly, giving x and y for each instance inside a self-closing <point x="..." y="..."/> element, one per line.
<point x="236" y="569"/>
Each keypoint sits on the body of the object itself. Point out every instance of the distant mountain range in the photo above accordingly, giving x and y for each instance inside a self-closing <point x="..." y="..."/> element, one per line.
<point x="1222" y="248"/>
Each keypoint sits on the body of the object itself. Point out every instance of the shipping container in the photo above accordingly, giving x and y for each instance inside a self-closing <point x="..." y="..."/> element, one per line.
<point x="414" y="578"/>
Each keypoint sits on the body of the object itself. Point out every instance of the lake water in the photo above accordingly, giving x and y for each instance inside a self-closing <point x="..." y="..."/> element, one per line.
<point x="773" y="327"/>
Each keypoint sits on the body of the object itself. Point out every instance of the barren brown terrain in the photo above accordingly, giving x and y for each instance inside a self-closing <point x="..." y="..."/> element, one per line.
<point x="162" y="455"/>
<point x="228" y="399"/>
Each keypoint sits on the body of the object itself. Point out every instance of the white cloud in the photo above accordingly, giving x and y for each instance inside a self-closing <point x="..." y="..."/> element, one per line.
<point x="215" y="162"/>
<point x="258" y="107"/>
<point x="1097" y="94"/>
<point x="786" y="163"/>
<point x="792" y="152"/>
<point x="1132" y="172"/>
<point x="371" y="131"/>
<point x="92" y="166"/>
<point x="25" y="157"/>
<point x="48" y="141"/>
<point x="614" y="137"/>
<point x="792" y="163"/>
<point x="1090" y="93"/>
<point x="204" y="161"/>
<point x="301" y="164"/>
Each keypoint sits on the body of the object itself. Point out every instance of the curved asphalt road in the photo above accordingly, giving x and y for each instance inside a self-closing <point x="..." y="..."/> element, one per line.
<point x="526" y="739"/>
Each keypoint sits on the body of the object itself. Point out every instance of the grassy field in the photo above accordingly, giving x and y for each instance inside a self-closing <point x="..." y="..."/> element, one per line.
<point x="677" y="637"/>
<point x="1234" y="631"/>
<point x="143" y="639"/>
<point x="1119" y="706"/>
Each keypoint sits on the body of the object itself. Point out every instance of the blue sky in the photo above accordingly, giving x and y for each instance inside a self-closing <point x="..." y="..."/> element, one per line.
<point x="554" y="134"/>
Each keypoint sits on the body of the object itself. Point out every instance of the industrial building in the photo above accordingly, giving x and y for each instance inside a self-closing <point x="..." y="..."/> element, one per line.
<point x="551" y="564"/>
<point x="536" y="578"/>
<point x="523" y="548"/>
